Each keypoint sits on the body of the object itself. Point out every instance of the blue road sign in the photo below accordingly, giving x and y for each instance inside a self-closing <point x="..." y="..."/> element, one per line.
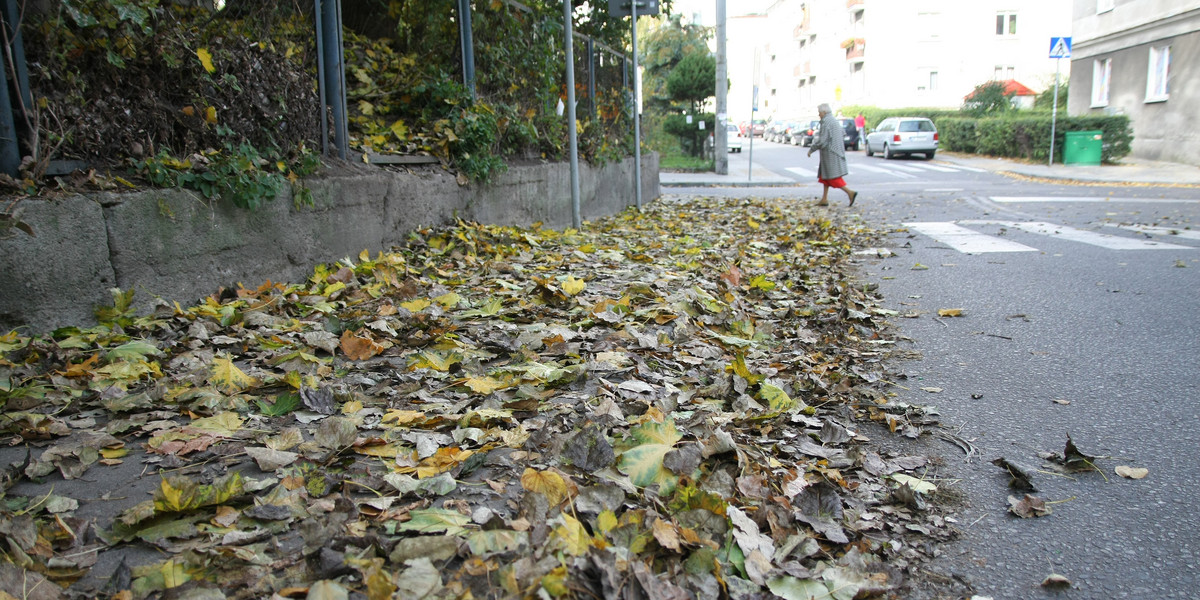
<point x="1060" y="47"/>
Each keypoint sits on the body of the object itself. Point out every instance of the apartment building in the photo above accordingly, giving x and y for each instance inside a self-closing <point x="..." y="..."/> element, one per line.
<point x="898" y="53"/>
<point x="1141" y="58"/>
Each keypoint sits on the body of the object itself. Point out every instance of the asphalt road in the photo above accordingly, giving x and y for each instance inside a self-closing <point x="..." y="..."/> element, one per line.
<point x="1077" y="320"/>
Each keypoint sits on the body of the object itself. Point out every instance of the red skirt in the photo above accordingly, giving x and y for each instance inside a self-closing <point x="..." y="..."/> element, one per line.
<point x="837" y="183"/>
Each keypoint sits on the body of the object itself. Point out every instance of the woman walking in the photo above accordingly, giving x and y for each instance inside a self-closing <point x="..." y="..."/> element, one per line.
<point x="832" y="167"/>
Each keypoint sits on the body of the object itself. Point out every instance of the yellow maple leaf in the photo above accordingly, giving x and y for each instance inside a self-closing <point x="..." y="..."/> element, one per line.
<point x="573" y="286"/>
<point x="402" y="417"/>
<point x="417" y="305"/>
<point x="547" y="483"/>
<point x="449" y="300"/>
<point x="570" y="536"/>
<point x="484" y="385"/>
<point x="206" y="59"/>
<point x="229" y="379"/>
<point x="210" y="114"/>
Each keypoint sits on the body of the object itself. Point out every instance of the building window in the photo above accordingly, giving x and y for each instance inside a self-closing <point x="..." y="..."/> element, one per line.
<point x="933" y="81"/>
<point x="1006" y="23"/>
<point x="931" y="24"/>
<point x="1157" y="73"/>
<point x="1003" y="72"/>
<point x="1101" y="74"/>
<point x="1103" y="6"/>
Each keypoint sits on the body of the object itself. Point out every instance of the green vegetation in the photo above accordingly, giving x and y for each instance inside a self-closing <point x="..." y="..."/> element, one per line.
<point x="679" y="77"/>
<point x="172" y="92"/>
<point x="985" y="126"/>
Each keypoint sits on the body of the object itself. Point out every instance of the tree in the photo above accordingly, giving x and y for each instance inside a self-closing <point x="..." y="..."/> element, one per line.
<point x="988" y="99"/>
<point x="691" y="81"/>
<point x="679" y="75"/>
<point x="1045" y="100"/>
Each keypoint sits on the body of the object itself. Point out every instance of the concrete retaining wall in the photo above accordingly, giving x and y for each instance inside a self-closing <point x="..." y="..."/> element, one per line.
<point x="174" y="245"/>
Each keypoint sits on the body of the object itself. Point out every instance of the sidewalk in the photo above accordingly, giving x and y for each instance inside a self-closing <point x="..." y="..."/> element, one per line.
<point x="1132" y="171"/>
<point x="1129" y="170"/>
<point x="741" y="174"/>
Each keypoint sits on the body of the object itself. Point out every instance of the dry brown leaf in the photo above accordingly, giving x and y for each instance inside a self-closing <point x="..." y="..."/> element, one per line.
<point x="1132" y="472"/>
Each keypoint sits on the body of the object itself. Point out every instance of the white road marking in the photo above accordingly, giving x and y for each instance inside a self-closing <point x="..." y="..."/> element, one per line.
<point x="1163" y="231"/>
<point x="802" y="172"/>
<point x="1103" y="240"/>
<point x="1020" y="199"/>
<point x="933" y="167"/>
<point x="971" y="169"/>
<point x="875" y="169"/>
<point x="906" y="168"/>
<point x="965" y="240"/>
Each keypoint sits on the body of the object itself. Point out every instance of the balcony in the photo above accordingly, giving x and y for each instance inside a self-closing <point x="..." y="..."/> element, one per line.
<point x="851" y="4"/>
<point x="855" y="48"/>
<point x="802" y="70"/>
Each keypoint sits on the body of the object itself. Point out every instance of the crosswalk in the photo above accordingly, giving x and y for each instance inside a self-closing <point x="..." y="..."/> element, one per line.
<point x="965" y="236"/>
<point x="908" y="170"/>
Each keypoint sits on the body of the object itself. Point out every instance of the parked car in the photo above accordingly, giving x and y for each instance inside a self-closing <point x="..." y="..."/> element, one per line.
<point x="851" y="135"/>
<point x="733" y="142"/>
<point x="808" y="128"/>
<point x="774" y="130"/>
<point x="759" y="127"/>
<point x="903" y="135"/>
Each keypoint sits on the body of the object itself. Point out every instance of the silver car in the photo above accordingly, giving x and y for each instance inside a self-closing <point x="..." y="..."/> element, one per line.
<point x="732" y="141"/>
<point x="903" y="135"/>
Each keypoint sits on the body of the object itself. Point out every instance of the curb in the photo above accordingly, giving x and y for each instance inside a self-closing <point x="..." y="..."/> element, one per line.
<point x="1093" y="182"/>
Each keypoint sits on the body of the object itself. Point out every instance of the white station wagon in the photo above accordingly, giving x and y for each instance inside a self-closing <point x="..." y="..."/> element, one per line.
<point x="903" y="135"/>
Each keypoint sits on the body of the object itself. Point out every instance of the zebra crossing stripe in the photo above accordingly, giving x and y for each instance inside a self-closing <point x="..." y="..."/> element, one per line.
<point x="1163" y="231"/>
<point x="1020" y="199"/>
<point x="965" y="240"/>
<point x="938" y="168"/>
<point x="971" y="169"/>
<point x="875" y="169"/>
<point x="1103" y="240"/>
<point x="802" y="172"/>
<point x="907" y="168"/>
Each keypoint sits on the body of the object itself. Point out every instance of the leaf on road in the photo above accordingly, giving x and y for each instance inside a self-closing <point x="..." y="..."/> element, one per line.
<point x="436" y="520"/>
<point x="821" y="507"/>
<point x="547" y="483"/>
<point x="643" y="462"/>
<point x="950" y="312"/>
<point x="573" y="286"/>
<point x="319" y="400"/>
<point x="1056" y="582"/>
<point x="1020" y="477"/>
<point x="359" y="345"/>
<point x="1074" y="460"/>
<point x="180" y="494"/>
<point x="1132" y="472"/>
<point x="229" y="379"/>
<point x="1028" y="506"/>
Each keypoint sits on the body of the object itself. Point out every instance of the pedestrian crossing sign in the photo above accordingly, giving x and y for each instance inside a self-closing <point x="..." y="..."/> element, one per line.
<point x="1060" y="47"/>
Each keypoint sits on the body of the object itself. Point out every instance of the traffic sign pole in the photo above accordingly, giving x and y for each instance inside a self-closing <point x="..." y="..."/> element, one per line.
<point x="1054" y="111"/>
<point x="1060" y="48"/>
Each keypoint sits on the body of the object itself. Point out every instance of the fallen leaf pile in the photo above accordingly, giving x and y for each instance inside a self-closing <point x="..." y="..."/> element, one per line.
<point x="665" y="404"/>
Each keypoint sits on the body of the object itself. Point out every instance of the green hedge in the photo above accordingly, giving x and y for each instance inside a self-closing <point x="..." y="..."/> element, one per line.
<point x="1022" y="134"/>
<point x="958" y="134"/>
<point x="1028" y="137"/>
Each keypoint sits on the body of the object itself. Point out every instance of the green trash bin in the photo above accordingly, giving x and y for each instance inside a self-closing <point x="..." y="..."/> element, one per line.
<point x="1082" y="147"/>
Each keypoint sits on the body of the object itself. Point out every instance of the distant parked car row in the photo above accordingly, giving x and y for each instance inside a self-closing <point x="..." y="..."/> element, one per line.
<point x="895" y="136"/>
<point x="760" y="126"/>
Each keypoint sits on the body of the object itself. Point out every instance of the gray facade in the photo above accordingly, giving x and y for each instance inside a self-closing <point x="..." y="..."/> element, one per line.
<point x="1141" y="58"/>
